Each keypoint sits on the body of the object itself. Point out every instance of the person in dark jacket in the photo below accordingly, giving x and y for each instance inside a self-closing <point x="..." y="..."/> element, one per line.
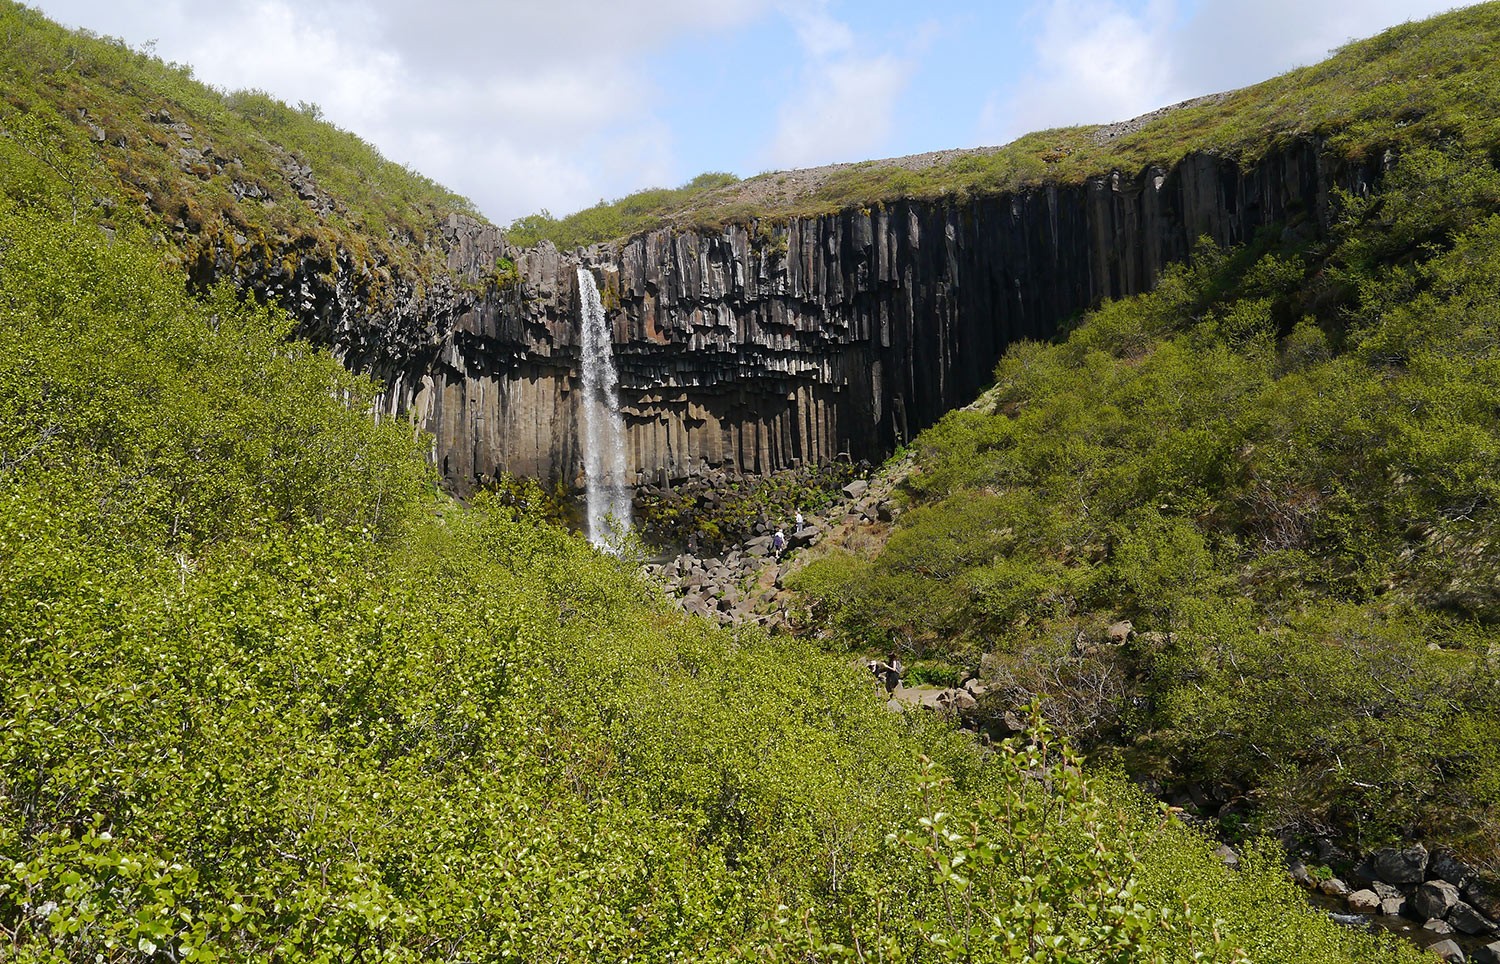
<point x="889" y="672"/>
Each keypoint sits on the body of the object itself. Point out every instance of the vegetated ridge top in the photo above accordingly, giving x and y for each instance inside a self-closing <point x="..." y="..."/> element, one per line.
<point x="1423" y="82"/>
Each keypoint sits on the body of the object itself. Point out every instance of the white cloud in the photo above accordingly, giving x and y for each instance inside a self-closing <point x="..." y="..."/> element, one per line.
<point x="1095" y="62"/>
<point x="843" y="103"/>
<point x="1105" y="60"/>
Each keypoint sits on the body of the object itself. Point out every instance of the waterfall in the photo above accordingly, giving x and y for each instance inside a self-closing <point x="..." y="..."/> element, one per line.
<point x="606" y="486"/>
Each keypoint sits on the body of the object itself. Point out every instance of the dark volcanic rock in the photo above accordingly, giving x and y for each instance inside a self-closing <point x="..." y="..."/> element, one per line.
<point x="755" y="347"/>
<point x="1470" y="921"/>
<point x="1435" y="898"/>
<point x="1405" y="865"/>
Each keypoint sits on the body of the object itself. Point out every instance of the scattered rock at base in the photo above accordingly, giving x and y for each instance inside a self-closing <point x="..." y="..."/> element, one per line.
<point x="1443" y="865"/>
<point x="1470" y="921"/>
<point x="1435" y="898"/>
<point x="1401" y="865"/>
<point x="1364" y="902"/>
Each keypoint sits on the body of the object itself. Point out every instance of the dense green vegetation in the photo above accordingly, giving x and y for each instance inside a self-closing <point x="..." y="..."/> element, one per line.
<point x="1281" y="466"/>
<point x="265" y="694"/>
<point x="210" y="171"/>
<point x="1412" y="85"/>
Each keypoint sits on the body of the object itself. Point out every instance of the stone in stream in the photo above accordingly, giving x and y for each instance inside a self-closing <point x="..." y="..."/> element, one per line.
<point x="1334" y="887"/>
<point x="1470" y="921"/>
<point x="1364" y="902"/>
<point x="1482" y="897"/>
<point x="1488" y="954"/>
<point x="1448" y="951"/>
<point x="1435" y="898"/>
<point x="1439" y="927"/>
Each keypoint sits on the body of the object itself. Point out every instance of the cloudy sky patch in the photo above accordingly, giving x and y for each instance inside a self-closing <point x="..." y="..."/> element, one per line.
<point x="523" y="105"/>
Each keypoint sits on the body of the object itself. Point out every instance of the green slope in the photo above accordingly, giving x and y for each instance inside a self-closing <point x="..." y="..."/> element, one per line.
<point x="124" y="138"/>
<point x="1280" y="466"/>
<point x="264" y="695"/>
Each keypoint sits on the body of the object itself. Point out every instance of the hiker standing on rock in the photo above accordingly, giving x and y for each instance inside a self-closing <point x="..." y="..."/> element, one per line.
<point x="778" y="543"/>
<point x="799" y="521"/>
<point x="889" y="672"/>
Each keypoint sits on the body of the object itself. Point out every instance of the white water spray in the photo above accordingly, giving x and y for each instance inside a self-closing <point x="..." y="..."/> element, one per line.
<point x="606" y="487"/>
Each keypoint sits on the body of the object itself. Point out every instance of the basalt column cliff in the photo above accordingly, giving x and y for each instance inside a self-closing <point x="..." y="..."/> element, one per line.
<point x="753" y="346"/>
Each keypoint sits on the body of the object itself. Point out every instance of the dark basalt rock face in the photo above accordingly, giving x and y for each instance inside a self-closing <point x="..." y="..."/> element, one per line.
<point x="754" y="347"/>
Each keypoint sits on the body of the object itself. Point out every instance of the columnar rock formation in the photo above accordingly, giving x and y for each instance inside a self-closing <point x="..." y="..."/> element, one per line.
<point x="754" y="346"/>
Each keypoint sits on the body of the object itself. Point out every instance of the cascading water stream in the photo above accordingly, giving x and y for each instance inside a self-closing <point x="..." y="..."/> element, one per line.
<point x="607" y="490"/>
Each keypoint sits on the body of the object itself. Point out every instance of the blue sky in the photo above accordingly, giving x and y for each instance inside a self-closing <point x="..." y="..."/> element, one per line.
<point x="529" y="104"/>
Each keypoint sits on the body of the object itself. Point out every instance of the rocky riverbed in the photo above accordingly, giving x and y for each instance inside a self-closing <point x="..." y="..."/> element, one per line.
<point x="746" y="583"/>
<point x="1429" y="897"/>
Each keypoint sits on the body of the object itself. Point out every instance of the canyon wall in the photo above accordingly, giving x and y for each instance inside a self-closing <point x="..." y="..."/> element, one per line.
<point x="755" y="346"/>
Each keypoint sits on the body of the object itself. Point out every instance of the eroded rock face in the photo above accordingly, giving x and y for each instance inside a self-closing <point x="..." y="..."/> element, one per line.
<point x="753" y="347"/>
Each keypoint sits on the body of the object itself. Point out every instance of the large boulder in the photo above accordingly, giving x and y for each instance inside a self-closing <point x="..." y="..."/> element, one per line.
<point x="1435" y="899"/>
<point x="1401" y="865"/>
<point x="960" y="700"/>
<point x="1364" y="902"/>
<point x="1470" y="921"/>
<point x="1334" y="887"/>
<point x="1488" y="954"/>
<point x="1448" y="950"/>
<point x="1483" y="897"/>
<point x="803" y="537"/>
<point x="1444" y="866"/>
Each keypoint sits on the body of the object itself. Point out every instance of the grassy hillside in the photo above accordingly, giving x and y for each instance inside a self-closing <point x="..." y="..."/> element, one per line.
<point x="1420" y="83"/>
<point x="1281" y="467"/>
<point x="265" y="695"/>
<point x="122" y="138"/>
